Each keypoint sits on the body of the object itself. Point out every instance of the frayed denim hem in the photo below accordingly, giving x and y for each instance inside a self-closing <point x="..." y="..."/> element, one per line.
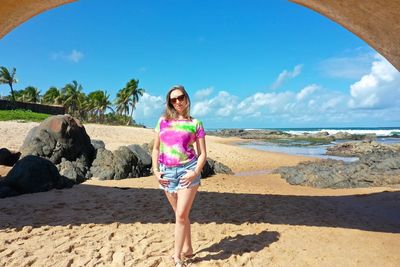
<point x="172" y="191"/>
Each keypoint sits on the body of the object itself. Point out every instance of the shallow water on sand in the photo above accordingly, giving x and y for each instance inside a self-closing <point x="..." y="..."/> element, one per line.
<point x="310" y="151"/>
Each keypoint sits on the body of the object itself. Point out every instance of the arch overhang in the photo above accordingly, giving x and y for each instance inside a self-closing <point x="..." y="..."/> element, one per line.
<point x="16" y="12"/>
<point x="376" y="22"/>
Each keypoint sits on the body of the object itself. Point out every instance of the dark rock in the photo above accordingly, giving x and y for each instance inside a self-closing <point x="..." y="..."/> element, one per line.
<point x="125" y="163"/>
<point x="103" y="165"/>
<point x="121" y="164"/>
<point x="73" y="170"/>
<point x="213" y="167"/>
<point x="6" y="191"/>
<point x="360" y="148"/>
<point x="144" y="159"/>
<point x="276" y="136"/>
<point x="221" y="168"/>
<point x="61" y="137"/>
<point x="8" y="158"/>
<point x="97" y="144"/>
<point x="208" y="169"/>
<point x="33" y="174"/>
<point x="141" y="154"/>
<point x="374" y="169"/>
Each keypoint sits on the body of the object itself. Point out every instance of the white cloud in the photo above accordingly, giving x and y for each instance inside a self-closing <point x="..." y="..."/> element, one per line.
<point x="308" y="90"/>
<point x="149" y="106"/>
<point x="221" y="105"/>
<point x="200" y="109"/>
<point x="380" y="88"/>
<point x="74" y="56"/>
<point x="349" y="67"/>
<point x="203" y="93"/>
<point x="332" y="103"/>
<point x="312" y="105"/>
<point x="286" y="75"/>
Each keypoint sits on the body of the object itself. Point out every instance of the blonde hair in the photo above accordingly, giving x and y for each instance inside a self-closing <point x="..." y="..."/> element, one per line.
<point x="170" y="112"/>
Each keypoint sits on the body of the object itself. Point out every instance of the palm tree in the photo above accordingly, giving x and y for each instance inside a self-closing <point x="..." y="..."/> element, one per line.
<point x="99" y="102"/>
<point x="52" y="96"/>
<point x="72" y="97"/>
<point x="122" y="102"/>
<point x="31" y="94"/>
<point x="133" y="93"/>
<point x="8" y="78"/>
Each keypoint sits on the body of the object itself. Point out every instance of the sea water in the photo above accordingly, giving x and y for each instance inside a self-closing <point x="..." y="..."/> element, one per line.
<point x="385" y="135"/>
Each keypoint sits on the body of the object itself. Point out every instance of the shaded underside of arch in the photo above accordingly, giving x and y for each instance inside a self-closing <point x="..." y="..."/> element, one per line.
<point x="16" y="12"/>
<point x="377" y="22"/>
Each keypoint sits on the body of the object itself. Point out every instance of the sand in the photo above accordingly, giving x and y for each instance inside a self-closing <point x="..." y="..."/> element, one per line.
<point x="251" y="219"/>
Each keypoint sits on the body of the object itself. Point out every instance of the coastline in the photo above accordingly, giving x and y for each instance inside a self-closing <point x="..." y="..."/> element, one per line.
<point x="237" y="220"/>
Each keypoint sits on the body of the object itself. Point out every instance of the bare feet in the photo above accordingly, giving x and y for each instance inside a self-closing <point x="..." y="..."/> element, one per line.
<point x="187" y="254"/>
<point x="178" y="262"/>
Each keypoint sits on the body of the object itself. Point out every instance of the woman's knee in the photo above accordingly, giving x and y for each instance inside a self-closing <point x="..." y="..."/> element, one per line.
<point x="181" y="216"/>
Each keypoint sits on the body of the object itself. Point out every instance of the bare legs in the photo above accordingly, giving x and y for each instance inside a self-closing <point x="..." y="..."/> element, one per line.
<point x="182" y="202"/>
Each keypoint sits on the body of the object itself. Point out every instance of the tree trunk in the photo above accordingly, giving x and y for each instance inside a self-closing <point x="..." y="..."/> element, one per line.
<point x="131" y="116"/>
<point x="12" y="92"/>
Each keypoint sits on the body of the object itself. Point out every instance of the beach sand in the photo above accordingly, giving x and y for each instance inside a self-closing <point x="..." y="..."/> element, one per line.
<point x="251" y="219"/>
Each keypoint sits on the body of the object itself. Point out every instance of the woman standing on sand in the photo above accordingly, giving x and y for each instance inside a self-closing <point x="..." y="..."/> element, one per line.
<point x="176" y="164"/>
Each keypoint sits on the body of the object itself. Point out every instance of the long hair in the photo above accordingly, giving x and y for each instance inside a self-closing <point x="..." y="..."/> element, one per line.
<point x="170" y="112"/>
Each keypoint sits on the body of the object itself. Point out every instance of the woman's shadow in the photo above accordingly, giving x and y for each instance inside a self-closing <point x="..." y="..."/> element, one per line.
<point x="237" y="245"/>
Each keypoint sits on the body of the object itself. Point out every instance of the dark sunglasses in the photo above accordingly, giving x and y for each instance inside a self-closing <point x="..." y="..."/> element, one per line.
<point x="174" y="99"/>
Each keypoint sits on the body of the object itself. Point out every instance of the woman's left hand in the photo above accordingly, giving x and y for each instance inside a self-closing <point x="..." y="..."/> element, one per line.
<point x="188" y="178"/>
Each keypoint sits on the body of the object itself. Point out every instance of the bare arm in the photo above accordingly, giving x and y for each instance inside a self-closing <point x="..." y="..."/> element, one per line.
<point x="154" y="160"/>
<point x="201" y="154"/>
<point x="156" y="152"/>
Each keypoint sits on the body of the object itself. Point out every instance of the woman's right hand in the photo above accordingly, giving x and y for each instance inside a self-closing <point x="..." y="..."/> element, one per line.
<point x="163" y="182"/>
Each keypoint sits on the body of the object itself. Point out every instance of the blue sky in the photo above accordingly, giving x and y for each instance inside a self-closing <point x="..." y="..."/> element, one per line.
<point x="250" y="64"/>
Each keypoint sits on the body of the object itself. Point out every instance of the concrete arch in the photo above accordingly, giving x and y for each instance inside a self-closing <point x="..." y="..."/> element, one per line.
<point x="376" y="22"/>
<point x="15" y="12"/>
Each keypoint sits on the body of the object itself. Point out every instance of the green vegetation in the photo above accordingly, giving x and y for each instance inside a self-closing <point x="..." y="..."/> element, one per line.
<point x="95" y="107"/>
<point x="22" y="115"/>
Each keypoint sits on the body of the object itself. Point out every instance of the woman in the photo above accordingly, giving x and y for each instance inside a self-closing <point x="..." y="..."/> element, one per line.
<point x="176" y="164"/>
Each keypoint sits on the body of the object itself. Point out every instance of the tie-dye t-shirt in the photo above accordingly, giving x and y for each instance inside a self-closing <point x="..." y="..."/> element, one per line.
<point x="176" y="140"/>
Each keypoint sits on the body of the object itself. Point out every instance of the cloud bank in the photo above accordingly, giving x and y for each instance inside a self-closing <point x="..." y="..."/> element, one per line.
<point x="373" y="97"/>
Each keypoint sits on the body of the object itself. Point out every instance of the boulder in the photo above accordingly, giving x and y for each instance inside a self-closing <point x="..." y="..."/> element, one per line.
<point x="359" y="148"/>
<point x="120" y="164"/>
<point x="74" y="170"/>
<point x="144" y="159"/>
<point x="8" y="158"/>
<point x="32" y="174"/>
<point x="97" y="144"/>
<point x="103" y="165"/>
<point x="213" y="167"/>
<point x="125" y="163"/>
<point x="373" y="169"/>
<point x="61" y="138"/>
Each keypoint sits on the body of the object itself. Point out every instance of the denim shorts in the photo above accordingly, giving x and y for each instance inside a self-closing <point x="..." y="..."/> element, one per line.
<point x="174" y="175"/>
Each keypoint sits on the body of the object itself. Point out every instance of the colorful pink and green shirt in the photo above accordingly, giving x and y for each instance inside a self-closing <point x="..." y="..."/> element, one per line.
<point x="176" y="140"/>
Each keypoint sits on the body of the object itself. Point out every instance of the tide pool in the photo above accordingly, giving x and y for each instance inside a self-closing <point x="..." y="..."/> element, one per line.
<point x="317" y="151"/>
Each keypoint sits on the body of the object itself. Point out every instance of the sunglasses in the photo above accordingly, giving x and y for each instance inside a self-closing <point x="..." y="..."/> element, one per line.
<point x="174" y="99"/>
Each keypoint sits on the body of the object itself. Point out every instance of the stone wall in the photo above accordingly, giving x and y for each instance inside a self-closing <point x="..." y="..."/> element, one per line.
<point x="47" y="109"/>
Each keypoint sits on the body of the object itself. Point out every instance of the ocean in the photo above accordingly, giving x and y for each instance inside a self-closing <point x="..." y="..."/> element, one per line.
<point x="385" y="135"/>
